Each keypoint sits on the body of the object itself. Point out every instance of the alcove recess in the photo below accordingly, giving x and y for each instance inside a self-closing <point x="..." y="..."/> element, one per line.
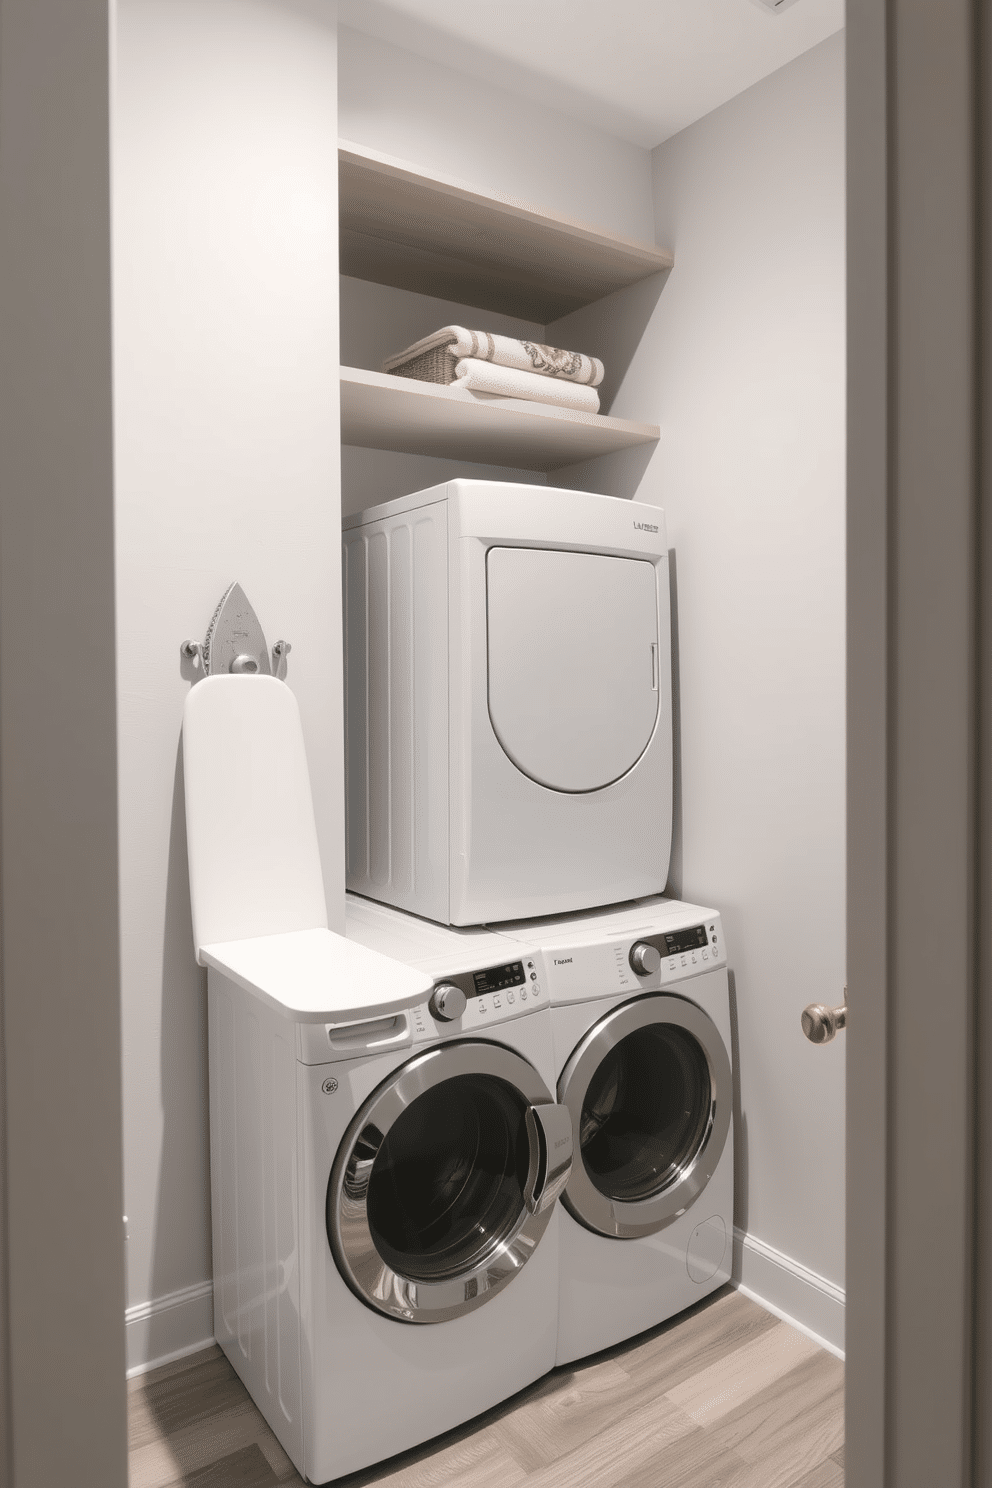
<point x="419" y="251"/>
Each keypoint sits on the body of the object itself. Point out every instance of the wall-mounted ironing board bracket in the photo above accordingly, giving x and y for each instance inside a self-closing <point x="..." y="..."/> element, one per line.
<point x="235" y="643"/>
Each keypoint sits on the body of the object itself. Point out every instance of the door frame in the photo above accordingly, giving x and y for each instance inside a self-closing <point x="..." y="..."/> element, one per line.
<point x="916" y="860"/>
<point x="62" y="1243"/>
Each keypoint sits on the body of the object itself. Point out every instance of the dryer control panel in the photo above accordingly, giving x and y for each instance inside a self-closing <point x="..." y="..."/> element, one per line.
<point x="633" y="960"/>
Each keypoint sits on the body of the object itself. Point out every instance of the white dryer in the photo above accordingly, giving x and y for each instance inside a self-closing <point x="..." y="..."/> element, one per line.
<point x="508" y="701"/>
<point x="641" y="1026"/>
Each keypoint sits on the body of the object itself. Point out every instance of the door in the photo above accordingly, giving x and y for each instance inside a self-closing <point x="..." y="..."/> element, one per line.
<point x="573" y="663"/>
<point x="445" y="1182"/>
<point x="648" y="1090"/>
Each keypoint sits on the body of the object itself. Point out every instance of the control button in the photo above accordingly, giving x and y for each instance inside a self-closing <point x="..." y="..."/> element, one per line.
<point x="671" y="965"/>
<point x="684" y="962"/>
<point x="523" y="994"/>
<point x="694" y="962"/>
<point x="530" y="965"/>
<point x="533" y="975"/>
<point x="706" y="955"/>
<point x="496" y="1002"/>
<point x="482" y="1006"/>
<point x="535" y="989"/>
<point x="510" y="997"/>
<point x="448" y="1002"/>
<point x="644" y="958"/>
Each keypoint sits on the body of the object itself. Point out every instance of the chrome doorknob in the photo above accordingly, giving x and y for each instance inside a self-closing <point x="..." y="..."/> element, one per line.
<point x="821" y="1024"/>
<point x="644" y="958"/>
<point x="448" y="1002"/>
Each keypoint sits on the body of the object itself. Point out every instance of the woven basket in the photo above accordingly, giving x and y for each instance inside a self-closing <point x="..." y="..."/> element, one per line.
<point x="436" y="365"/>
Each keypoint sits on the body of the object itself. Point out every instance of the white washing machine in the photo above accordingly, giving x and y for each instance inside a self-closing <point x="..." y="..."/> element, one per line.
<point x="640" y="1019"/>
<point x="508" y="701"/>
<point x="384" y="1215"/>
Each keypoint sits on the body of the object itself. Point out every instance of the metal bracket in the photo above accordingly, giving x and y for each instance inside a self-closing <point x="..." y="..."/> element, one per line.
<point x="234" y="644"/>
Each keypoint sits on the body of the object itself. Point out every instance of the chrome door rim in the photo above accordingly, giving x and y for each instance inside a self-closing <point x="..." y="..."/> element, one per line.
<point x="373" y="1281"/>
<point x="583" y="1200"/>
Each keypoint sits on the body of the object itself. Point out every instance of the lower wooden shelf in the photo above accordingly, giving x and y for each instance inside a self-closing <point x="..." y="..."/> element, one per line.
<point x="379" y="411"/>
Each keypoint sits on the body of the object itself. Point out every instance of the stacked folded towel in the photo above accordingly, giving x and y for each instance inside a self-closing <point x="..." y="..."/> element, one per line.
<point x="499" y="366"/>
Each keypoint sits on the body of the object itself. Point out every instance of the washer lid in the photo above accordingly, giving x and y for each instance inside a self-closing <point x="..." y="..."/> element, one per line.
<point x="573" y="663"/>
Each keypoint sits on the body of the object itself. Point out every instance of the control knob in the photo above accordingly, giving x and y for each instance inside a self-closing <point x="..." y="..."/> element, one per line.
<point x="644" y="958"/>
<point x="448" y="1002"/>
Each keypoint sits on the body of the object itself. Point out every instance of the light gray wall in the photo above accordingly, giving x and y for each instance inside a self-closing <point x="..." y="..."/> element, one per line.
<point x="744" y="359"/>
<point x="226" y="328"/>
<point x="425" y="112"/>
<point x="742" y="364"/>
<point x="62" y="1248"/>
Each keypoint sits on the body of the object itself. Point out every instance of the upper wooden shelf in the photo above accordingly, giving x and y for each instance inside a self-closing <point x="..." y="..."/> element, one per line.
<point x="417" y="230"/>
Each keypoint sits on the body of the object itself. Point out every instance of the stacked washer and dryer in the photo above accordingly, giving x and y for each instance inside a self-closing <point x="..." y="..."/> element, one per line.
<point x="517" y="1016"/>
<point x="509" y="764"/>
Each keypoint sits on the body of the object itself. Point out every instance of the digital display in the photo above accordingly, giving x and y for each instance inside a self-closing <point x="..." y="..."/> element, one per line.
<point x="495" y="978"/>
<point x="686" y="940"/>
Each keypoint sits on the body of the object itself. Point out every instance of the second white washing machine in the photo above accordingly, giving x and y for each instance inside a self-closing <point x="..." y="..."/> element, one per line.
<point x="640" y="1016"/>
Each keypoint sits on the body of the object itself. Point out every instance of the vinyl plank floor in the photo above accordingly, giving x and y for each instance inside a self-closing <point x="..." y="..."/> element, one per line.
<point x="725" y="1396"/>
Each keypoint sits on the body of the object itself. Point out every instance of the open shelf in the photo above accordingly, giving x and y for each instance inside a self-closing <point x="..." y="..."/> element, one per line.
<point x="418" y="230"/>
<point x="379" y="411"/>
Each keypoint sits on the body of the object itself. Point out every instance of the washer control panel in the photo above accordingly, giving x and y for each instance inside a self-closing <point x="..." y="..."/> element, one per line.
<point x="691" y="951"/>
<point x="636" y="960"/>
<point x="490" y="994"/>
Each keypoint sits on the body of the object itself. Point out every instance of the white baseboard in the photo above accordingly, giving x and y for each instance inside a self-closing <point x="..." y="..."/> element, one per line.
<point x="182" y="1322"/>
<point x="789" y="1290"/>
<point x="169" y="1327"/>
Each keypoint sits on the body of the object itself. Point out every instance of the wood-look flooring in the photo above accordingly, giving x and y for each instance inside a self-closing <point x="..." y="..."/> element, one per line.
<point x="725" y="1396"/>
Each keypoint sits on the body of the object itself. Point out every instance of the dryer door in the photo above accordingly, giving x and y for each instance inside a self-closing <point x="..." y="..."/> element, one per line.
<point x="445" y="1181"/>
<point x="573" y="663"/>
<point x="649" y="1091"/>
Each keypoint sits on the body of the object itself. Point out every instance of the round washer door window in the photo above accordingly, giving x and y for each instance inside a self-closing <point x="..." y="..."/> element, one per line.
<point x="445" y="1181"/>
<point x="648" y="1089"/>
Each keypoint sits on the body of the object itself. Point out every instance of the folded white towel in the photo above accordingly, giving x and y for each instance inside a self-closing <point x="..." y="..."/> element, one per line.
<point x="505" y="351"/>
<point x="507" y="382"/>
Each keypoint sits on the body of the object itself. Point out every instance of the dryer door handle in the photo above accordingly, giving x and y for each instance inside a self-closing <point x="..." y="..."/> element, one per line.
<point x="550" y="1130"/>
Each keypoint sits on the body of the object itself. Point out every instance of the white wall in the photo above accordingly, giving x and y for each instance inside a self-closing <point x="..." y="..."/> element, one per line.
<point x="743" y="365"/>
<point x="225" y="308"/>
<point x="422" y="111"/>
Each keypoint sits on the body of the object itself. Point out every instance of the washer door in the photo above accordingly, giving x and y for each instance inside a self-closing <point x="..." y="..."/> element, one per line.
<point x="648" y="1089"/>
<point x="445" y="1181"/>
<point x="573" y="663"/>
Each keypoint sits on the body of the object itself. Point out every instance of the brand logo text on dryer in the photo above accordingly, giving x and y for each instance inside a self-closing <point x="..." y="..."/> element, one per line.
<point x="646" y="526"/>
